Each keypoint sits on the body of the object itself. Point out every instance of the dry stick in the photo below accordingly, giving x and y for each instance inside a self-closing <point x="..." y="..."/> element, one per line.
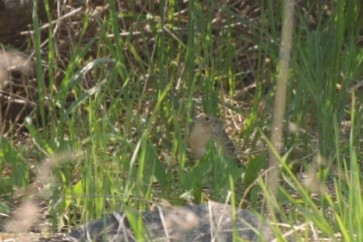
<point x="272" y="179"/>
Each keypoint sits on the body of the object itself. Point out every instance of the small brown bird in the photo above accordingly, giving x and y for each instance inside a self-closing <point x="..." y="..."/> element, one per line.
<point x="208" y="128"/>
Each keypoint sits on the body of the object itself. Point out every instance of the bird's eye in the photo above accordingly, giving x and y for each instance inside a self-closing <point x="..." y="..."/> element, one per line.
<point x="207" y="119"/>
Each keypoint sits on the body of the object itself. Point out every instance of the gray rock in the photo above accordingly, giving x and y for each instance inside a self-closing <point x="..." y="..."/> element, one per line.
<point x="199" y="223"/>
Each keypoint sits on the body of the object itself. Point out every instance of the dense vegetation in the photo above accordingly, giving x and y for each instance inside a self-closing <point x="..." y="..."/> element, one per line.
<point x="115" y="88"/>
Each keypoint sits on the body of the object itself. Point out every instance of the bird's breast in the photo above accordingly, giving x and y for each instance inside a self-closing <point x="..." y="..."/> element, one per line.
<point x="198" y="141"/>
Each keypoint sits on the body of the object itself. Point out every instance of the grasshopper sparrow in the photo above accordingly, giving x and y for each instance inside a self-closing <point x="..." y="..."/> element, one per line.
<point x="208" y="128"/>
